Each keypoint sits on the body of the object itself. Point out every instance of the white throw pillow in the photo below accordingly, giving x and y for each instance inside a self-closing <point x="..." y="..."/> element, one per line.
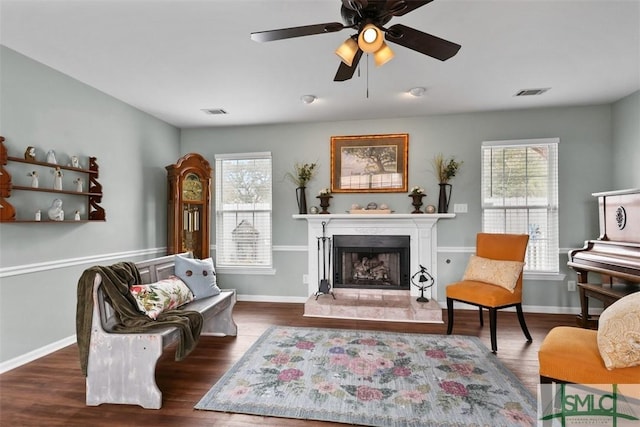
<point x="619" y="333"/>
<point x="198" y="274"/>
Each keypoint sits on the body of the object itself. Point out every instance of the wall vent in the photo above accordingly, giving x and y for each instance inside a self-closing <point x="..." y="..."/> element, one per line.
<point x="214" y="111"/>
<point x="531" y="92"/>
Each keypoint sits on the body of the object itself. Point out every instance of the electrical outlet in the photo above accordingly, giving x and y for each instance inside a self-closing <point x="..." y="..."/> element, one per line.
<point x="460" y="208"/>
<point x="571" y="285"/>
<point x="305" y="279"/>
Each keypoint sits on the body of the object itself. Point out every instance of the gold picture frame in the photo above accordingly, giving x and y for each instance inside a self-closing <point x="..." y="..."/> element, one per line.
<point x="369" y="163"/>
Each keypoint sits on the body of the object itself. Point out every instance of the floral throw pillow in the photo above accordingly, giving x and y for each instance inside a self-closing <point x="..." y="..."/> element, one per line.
<point x="166" y="294"/>
<point x="619" y="333"/>
<point x="495" y="272"/>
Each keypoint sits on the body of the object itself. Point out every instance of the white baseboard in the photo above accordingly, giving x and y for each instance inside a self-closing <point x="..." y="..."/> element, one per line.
<point x="271" y="298"/>
<point x="36" y="354"/>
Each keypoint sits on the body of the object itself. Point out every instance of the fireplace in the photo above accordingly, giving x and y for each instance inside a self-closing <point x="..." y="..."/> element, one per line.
<point x="371" y="262"/>
<point x="420" y="230"/>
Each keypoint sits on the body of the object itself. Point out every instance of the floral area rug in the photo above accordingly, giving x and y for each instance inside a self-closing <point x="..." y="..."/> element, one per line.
<point x="374" y="379"/>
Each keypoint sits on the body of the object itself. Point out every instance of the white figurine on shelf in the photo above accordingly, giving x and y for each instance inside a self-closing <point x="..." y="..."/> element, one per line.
<point x="76" y="216"/>
<point x="51" y="157"/>
<point x="55" y="211"/>
<point x="79" y="185"/>
<point x="34" y="179"/>
<point x="74" y="162"/>
<point x="38" y="215"/>
<point x="57" y="179"/>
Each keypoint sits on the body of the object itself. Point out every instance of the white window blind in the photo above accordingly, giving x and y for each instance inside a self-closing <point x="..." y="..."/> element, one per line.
<point x="243" y="210"/>
<point x="520" y="195"/>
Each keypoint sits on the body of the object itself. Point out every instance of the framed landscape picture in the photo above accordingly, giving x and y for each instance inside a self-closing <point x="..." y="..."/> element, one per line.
<point x="369" y="163"/>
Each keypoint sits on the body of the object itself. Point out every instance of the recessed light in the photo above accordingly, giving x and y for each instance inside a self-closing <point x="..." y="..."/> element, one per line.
<point x="417" y="91"/>
<point x="308" y="99"/>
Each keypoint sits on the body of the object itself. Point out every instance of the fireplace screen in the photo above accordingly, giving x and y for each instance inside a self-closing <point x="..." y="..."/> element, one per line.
<point x="371" y="262"/>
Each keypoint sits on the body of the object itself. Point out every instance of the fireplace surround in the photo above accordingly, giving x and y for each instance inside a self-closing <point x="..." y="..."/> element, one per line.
<point x="420" y="229"/>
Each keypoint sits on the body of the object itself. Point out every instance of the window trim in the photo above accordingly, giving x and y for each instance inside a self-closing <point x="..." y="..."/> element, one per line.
<point x="517" y="143"/>
<point x="244" y="269"/>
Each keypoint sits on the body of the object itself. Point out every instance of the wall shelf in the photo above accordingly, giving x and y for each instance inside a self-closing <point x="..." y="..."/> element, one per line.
<point x="8" y="213"/>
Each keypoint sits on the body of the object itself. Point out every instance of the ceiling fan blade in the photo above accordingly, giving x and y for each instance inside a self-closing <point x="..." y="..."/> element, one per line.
<point x="402" y="7"/>
<point x="288" y="33"/>
<point x="355" y="4"/>
<point x="422" y="42"/>
<point x="345" y="72"/>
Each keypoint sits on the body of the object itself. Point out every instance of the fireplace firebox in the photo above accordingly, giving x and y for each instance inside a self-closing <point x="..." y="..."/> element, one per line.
<point x="371" y="262"/>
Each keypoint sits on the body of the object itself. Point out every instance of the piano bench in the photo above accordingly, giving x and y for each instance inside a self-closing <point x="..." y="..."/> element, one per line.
<point x="570" y="355"/>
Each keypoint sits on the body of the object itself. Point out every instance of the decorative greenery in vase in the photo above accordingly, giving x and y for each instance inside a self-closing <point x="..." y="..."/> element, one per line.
<point x="415" y="191"/>
<point x="445" y="168"/>
<point x="302" y="174"/>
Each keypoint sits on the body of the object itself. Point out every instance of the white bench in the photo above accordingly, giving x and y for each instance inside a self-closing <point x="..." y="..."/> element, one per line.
<point x="121" y="366"/>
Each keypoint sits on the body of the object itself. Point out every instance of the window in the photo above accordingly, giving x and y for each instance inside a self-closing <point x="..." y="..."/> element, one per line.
<point x="243" y="211"/>
<point x="520" y="195"/>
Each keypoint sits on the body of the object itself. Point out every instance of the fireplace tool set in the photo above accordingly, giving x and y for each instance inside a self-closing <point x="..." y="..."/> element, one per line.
<point x="324" y="252"/>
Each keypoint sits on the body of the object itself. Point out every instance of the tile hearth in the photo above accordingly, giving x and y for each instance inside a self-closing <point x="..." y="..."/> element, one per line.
<point x="393" y="306"/>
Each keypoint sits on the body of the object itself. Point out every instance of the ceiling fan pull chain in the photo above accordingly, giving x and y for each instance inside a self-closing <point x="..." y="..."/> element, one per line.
<point x="367" y="76"/>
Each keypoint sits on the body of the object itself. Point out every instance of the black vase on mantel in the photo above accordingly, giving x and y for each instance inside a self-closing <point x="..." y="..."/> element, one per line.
<point x="301" y="198"/>
<point x="324" y="203"/>
<point x="444" y="198"/>
<point x="417" y="202"/>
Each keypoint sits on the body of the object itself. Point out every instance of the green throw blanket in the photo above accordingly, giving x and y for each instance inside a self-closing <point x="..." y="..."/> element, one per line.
<point x="116" y="280"/>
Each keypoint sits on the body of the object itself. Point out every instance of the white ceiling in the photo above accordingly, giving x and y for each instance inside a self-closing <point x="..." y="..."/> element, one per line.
<point x="173" y="58"/>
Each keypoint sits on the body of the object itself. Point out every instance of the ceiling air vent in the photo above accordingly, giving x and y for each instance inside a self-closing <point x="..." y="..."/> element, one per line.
<point x="214" y="111"/>
<point x="531" y="92"/>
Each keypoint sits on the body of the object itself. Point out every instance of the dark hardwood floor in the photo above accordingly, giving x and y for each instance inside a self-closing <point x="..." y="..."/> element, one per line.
<point x="50" y="390"/>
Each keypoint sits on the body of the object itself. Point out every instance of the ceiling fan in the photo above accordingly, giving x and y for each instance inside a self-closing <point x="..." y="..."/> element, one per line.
<point x="368" y="18"/>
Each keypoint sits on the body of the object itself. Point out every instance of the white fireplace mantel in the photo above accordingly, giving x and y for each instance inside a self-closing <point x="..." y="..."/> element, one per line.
<point x="421" y="229"/>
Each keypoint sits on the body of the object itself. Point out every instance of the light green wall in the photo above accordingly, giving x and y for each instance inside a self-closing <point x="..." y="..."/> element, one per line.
<point x="49" y="110"/>
<point x="626" y="142"/>
<point x="42" y="107"/>
<point x="585" y="139"/>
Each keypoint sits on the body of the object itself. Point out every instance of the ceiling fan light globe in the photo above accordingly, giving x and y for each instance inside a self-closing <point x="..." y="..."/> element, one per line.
<point x="347" y="51"/>
<point x="370" y="38"/>
<point x="369" y="35"/>
<point x="383" y="55"/>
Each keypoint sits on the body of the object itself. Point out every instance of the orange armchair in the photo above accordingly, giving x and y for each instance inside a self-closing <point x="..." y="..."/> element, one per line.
<point x="503" y="247"/>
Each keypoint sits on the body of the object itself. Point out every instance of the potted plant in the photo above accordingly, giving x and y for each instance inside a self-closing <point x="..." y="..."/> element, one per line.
<point x="301" y="175"/>
<point x="324" y="195"/>
<point x="417" y="193"/>
<point x="445" y="169"/>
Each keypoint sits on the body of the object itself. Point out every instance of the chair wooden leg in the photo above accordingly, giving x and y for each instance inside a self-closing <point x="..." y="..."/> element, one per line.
<point x="481" y="316"/>
<point x="523" y="325"/>
<point x="493" y="318"/>
<point x="449" y="316"/>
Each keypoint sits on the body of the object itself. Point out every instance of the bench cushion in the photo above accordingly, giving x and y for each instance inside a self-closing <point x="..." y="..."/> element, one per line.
<point x="154" y="298"/>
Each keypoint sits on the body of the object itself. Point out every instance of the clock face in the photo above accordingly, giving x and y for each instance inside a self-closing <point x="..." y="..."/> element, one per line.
<point x="192" y="188"/>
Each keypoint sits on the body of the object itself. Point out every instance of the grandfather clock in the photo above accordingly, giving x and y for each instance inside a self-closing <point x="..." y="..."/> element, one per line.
<point x="189" y="199"/>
